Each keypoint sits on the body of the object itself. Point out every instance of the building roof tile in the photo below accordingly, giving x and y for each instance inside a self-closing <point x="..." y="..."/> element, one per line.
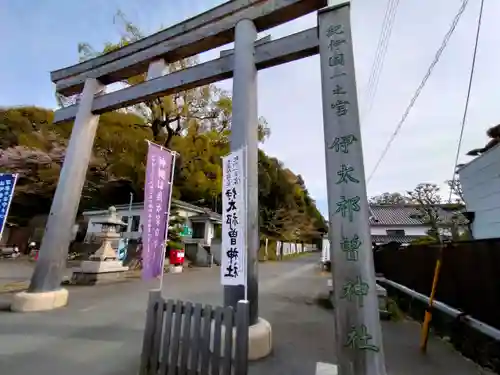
<point x="175" y="203"/>
<point x="383" y="239"/>
<point x="407" y="215"/>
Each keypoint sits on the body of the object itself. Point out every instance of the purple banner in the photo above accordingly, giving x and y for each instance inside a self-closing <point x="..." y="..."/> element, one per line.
<point x="157" y="195"/>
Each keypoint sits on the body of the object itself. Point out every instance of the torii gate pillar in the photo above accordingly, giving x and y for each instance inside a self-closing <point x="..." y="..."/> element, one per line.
<point x="244" y="134"/>
<point x="45" y="292"/>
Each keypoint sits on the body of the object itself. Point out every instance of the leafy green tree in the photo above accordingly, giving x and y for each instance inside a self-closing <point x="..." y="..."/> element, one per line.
<point x="175" y="227"/>
<point x="36" y="150"/>
<point x="168" y="116"/>
<point x="389" y="199"/>
<point x="196" y="123"/>
<point x="427" y="200"/>
<point x="456" y="189"/>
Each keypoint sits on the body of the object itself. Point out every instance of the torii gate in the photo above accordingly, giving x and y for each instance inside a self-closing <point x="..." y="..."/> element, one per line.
<point x="358" y="332"/>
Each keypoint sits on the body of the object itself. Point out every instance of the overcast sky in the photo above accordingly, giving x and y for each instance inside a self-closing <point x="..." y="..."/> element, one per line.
<point x="40" y="36"/>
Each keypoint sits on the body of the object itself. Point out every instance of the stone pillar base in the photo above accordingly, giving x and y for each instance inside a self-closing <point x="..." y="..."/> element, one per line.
<point x="260" y="340"/>
<point x="44" y="301"/>
<point x="382" y="303"/>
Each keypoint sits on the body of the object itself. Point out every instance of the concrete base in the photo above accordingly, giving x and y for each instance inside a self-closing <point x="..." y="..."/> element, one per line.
<point x="175" y="269"/>
<point x="92" y="266"/>
<point x="96" y="272"/>
<point x="382" y="302"/>
<point x="260" y="340"/>
<point x="381" y="296"/>
<point x="323" y="368"/>
<point x="28" y="302"/>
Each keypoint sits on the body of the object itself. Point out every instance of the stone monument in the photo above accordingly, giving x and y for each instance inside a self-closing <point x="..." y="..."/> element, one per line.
<point x="103" y="265"/>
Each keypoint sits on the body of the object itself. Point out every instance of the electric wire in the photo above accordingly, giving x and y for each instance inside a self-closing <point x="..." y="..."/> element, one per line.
<point x="381" y="39"/>
<point x="467" y="99"/>
<point x="381" y="51"/>
<point x="436" y="59"/>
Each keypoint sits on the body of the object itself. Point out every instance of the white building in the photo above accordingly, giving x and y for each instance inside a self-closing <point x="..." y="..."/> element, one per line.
<point x="401" y="223"/>
<point x="480" y="180"/>
<point x="200" y="223"/>
<point x="396" y="223"/>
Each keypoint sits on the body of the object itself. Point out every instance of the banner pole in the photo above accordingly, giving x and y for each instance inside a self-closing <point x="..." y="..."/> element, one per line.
<point x="171" y="182"/>
<point x="160" y="146"/>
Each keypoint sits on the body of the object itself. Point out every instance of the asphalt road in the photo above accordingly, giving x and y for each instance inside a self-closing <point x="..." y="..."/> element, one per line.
<point x="18" y="270"/>
<point x="100" y="332"/>
<point x="14" y="270"/>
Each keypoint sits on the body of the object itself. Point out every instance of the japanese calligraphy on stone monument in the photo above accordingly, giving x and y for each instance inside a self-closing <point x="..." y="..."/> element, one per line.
<point x="233" y="269"/>
<point x="355" y="302"/>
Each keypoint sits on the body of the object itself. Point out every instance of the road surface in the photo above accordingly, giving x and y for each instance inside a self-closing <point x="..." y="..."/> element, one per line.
<point x="100" y="332"/>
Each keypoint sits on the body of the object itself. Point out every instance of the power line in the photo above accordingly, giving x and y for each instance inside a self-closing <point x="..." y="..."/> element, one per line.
<point x="380" y="43"/>
<point x="378" y="62"/>
<point x="467" y="99"/>
<point x="422" y="84"/>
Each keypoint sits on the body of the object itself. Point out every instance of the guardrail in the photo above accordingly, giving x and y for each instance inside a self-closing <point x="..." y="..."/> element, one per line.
<point x="454" y="313"/>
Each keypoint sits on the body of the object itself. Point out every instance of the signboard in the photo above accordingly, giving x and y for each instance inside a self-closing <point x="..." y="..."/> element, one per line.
<point x="233" y="267"/>
<point x="186" y="231"/>
<point x="121" y="251"/>
<point x="7" y="186"/>
<point x="157" y="197"/>
<point x="359" y="341"/>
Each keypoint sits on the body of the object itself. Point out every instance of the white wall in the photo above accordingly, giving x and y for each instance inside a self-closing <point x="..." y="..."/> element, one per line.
<point x="480" y="180"/>
<point x="209" y="232"/>
<point x="381" y="230"/>
<point x="325" y="250"/>
<point x="94" y="229"/>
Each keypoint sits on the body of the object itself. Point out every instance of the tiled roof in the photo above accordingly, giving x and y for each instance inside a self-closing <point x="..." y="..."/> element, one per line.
<point x="189" y="206"/>
<point x="386" y="239"/>
<point x="175" y="203"/>
<point x="405" y="215"/>
<point x="207" y="215"/>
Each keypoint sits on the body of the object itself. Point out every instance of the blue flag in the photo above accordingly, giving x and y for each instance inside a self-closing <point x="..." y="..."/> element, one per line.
<point x="7" y="185"/>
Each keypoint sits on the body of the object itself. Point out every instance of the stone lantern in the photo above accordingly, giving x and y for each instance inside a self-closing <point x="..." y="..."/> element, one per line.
<point x="110" y="233"/>
<point x="104" y="264"/>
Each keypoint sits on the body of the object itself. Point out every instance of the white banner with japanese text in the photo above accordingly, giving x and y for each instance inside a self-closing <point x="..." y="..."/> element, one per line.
<point x="233" y="255"/>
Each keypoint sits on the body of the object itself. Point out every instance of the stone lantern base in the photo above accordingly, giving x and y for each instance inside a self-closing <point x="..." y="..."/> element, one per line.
<point x="93" y="272"/>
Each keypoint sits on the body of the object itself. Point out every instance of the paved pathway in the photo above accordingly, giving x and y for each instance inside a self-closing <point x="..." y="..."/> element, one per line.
<point x="14" y="270"/>
<point x="100" y="332"/>
<point x="303" y="336"/>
